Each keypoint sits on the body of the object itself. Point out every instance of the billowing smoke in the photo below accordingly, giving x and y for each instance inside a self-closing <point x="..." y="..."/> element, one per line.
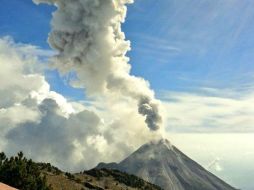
<point x="87" y="35"/>
<point x="47" y="127"/>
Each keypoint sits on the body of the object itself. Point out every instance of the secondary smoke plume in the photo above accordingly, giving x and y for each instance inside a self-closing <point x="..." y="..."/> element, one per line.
<point x="87" y="35"/>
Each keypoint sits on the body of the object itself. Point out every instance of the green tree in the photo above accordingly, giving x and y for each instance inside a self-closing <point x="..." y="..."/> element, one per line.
<point x="21" y="173"/>
<point x="2" y="158"/>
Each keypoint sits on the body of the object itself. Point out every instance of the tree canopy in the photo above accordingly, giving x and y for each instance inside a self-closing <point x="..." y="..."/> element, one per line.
<point x="21" y="173"/>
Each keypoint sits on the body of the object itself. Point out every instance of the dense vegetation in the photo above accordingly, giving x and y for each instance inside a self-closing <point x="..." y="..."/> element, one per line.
<point x="47" y="167"/>
<point x="24" y="174"/>
<point x="21" y="173"/>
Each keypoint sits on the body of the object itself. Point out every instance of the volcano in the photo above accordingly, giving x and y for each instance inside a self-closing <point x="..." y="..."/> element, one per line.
<point x="161" y="163"/>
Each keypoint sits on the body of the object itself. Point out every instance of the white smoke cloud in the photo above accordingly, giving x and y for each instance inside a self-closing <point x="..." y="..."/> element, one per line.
<point x="87" y="35"/>
<point x="49" y="128"/>
<point x="54" y="137"/>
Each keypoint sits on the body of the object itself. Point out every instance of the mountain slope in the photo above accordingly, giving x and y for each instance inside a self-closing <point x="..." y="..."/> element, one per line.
<point x="163" y="164"/>
<point x="24" y="174"/>
<point x="97" y="179"/>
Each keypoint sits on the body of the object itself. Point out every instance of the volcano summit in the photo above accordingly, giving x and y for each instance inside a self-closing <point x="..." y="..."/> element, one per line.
<point x="163" y="164"/>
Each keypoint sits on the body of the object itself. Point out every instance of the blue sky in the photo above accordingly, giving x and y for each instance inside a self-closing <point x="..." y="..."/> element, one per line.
<point x="176" y="45"/>
<point x="192" y="43"/>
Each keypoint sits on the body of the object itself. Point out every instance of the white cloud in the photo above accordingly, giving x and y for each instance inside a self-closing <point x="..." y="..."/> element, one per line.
<point x="50" y="128"/>
<point x="209" y="112"/>
<point x="215" y="165"/>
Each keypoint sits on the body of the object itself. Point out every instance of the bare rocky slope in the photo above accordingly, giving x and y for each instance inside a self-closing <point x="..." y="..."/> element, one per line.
<point x="163" y="164"/>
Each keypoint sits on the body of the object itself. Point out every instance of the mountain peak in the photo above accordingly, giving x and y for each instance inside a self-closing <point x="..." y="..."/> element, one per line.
<point x="157" y="144"/>
<point x="161" y="142"/>
<point x="155" y="149"/>
<point x="161" y="163"/>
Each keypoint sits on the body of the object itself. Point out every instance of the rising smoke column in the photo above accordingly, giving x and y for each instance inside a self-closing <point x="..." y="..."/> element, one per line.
<point x="87" y="35"/>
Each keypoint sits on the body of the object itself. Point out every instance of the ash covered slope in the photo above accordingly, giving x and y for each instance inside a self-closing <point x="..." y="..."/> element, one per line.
<point x="163" y="164"/>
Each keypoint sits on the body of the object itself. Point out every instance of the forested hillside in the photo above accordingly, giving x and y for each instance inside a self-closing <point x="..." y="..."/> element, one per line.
<point x="24" y="174"/>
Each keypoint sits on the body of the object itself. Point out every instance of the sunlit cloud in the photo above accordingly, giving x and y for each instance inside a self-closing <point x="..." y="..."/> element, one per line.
<point x="222" y="111"/>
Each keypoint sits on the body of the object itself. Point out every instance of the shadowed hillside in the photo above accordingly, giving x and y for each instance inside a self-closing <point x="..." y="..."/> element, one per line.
<point x="25" y="174"/>
<point x="97" y="179"/>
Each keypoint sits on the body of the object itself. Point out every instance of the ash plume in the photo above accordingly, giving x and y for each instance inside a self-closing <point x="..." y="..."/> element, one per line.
<point x="88" y="37"/>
